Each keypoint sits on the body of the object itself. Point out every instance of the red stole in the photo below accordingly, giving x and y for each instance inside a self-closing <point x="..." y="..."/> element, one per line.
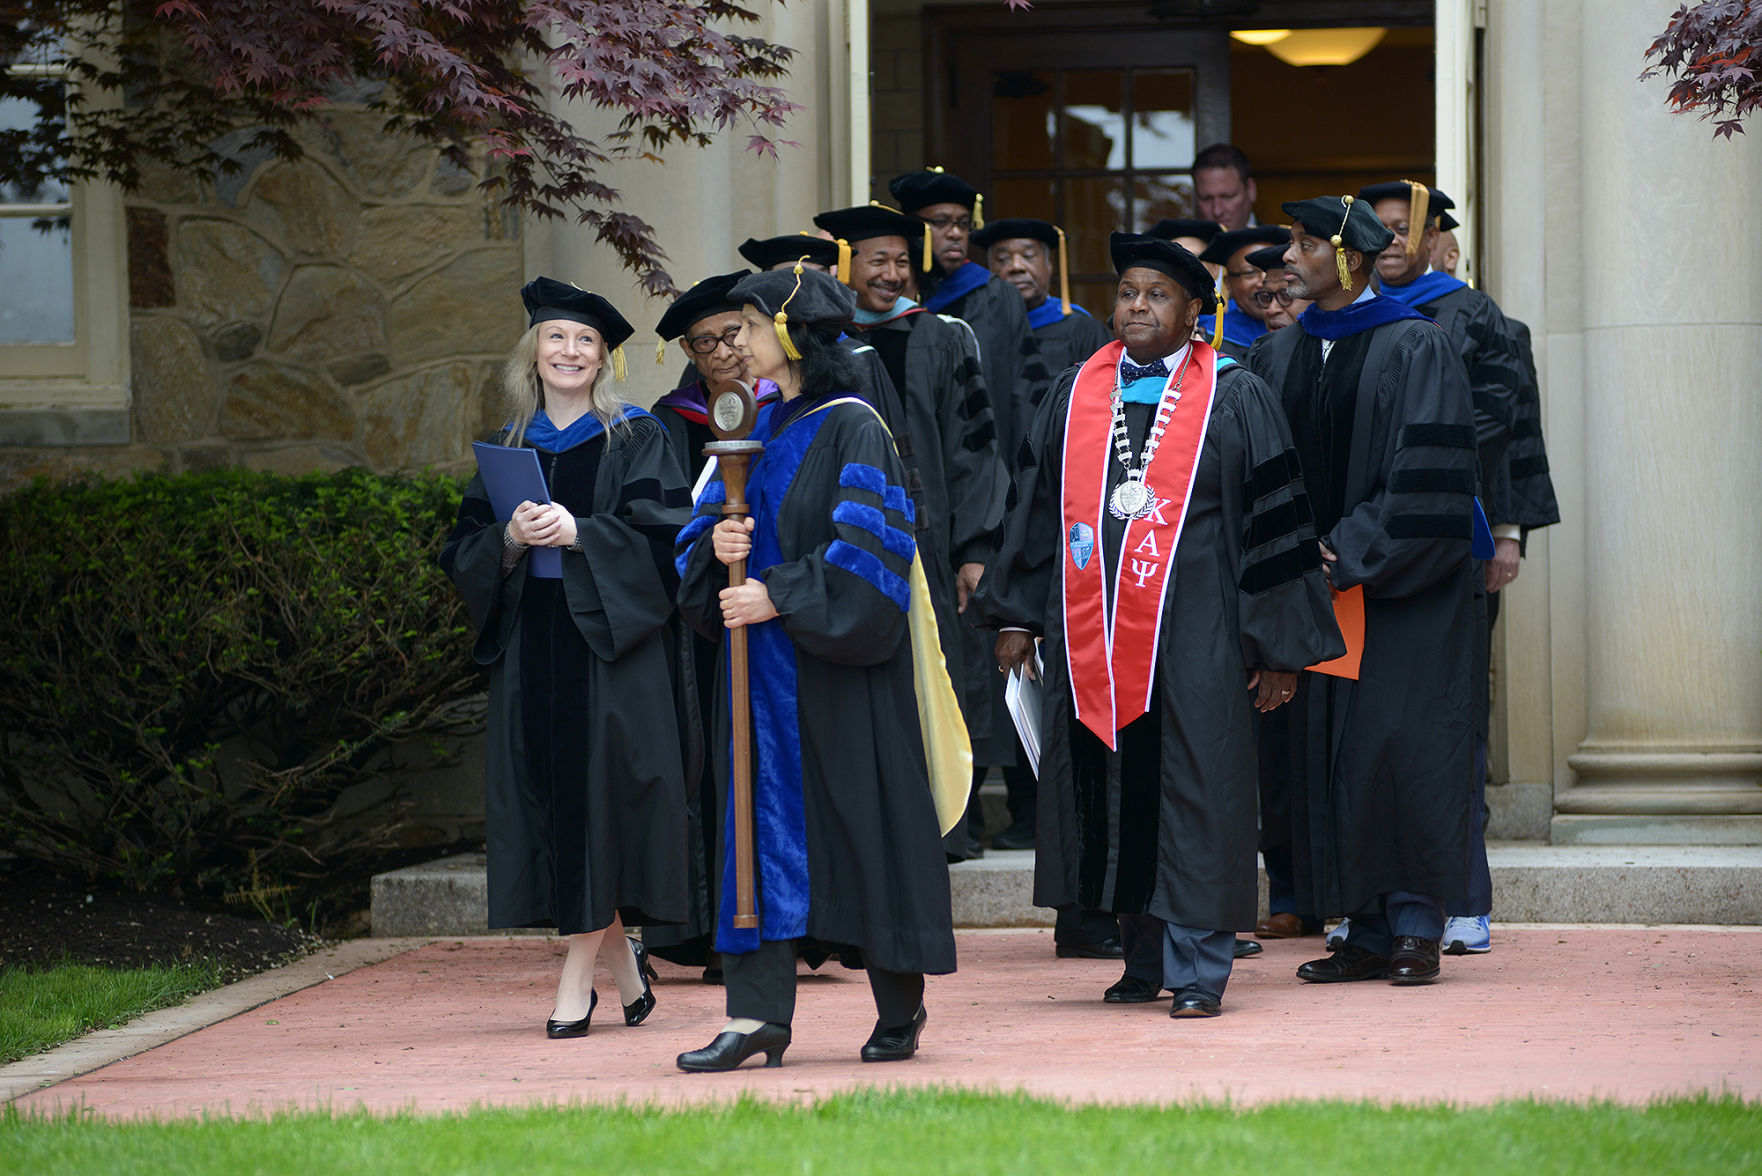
<point x="1112" y="668"/>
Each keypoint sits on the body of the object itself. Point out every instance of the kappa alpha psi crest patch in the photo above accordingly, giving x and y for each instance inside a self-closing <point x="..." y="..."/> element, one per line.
<point x="1082" y="543"/>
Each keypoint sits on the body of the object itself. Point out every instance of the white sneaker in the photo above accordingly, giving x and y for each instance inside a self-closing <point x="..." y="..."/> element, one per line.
<point x="1337" y="937"/>
<point x="1468" y="935"/>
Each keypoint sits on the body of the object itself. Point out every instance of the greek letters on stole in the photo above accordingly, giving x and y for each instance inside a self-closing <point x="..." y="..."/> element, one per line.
<point x="1112" y="664"/>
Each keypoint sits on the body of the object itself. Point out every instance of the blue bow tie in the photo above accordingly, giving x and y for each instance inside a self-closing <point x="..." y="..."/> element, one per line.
<point x="1130" y="372"/>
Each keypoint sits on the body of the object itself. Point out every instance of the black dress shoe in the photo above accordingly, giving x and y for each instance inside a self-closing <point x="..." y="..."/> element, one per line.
<point x="1131" y="990"/>
<point x="574" y="1028"/>
<point x="1195" y="1002"/>
<point x="1413" y="960"/>
<point x="1245" y="948"/>
<point x="897" y="1043"/>
<point x="1105" y="949"/>
<point x="730" y="1049"/>
<point x="1014" y="837"/>
<point x="1347" y="963"/>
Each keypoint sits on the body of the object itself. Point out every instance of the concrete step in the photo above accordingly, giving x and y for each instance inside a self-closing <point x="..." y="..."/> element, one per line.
<point x="1531" y="884"/>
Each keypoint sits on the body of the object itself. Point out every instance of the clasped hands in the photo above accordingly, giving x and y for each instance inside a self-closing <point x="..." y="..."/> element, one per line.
<point x="749" y="603"/>
<point x="542" y="524"/>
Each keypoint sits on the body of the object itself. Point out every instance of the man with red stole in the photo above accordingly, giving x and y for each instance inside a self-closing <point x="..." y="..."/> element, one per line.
<point x="1159" y="542"/>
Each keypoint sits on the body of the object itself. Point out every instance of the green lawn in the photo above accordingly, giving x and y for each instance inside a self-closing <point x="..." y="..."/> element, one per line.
<point x="40" y="1008"/>
<point x="892" y="1132"/>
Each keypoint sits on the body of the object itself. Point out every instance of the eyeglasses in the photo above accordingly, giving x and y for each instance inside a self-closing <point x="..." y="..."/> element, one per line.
<point x="706" y="344"/>
<point x="1264" y="298"/>
<point x="943" y="223"/>
<point x="1244" y="275"/>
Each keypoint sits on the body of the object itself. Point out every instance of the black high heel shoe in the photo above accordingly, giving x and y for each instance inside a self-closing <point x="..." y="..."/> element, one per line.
<point x="895" y="1043"/>
<point x="642" y="958"/>
<point x="730" y="1049"/>
<point x="637" y="1011"/>
<point x="556" y="1029"/>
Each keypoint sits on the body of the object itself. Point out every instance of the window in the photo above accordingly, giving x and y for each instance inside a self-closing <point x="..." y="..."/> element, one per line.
<point x="63" y="299"/>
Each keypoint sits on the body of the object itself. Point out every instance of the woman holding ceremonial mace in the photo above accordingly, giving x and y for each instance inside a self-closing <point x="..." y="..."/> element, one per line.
<point x="585" y="791"/>
<point x="847" y="847"/>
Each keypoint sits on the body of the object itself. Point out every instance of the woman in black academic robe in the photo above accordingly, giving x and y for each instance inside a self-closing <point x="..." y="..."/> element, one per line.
<point x="584" y="789"/>
<point x="847" y="850"/>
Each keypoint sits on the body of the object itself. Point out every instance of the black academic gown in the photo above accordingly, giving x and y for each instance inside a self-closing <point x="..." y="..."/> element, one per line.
<point x="1068" y="339"/>
<point x="1016" y="376"/>
<point x="1525" y="491"/>
<point x="954" y="438"/>
<point x="584" y="799"/>
<point x="847" y="842"/>
<point x="1165" y="826"/>
<point x="1380" y="770"/>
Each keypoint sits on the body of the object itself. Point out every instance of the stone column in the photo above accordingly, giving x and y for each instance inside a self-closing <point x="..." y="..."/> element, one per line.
<point x="1665" y="509"/>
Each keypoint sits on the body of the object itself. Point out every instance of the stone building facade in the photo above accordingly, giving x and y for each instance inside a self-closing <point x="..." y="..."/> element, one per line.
<point x="347" y="308"/>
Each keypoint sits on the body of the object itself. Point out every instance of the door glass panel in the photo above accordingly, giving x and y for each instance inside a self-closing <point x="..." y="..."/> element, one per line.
<point x="1095" y="296"/>
<point x="1021" y="197"/>
<point x="1154" y="197"/>
<point x="1094" y="119"/>
<point x="1162" y="118"/>
<point x="1093" y="208"/>
<point x="1022" y="123"/>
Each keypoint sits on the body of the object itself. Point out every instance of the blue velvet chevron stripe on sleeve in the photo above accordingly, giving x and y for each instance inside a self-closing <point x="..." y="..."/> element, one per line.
<point x="874" y="520"/>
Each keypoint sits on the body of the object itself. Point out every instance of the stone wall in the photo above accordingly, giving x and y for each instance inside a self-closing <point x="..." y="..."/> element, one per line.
<point x="347" y="308"/>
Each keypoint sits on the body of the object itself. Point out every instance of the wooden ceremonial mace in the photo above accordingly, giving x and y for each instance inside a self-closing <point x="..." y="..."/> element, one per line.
<point x="732" y="417"/>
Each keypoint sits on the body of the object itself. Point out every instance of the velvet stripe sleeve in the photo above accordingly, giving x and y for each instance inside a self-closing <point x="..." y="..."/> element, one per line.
<point x="846" y="600"/>
<point x="1415" y="529"/>
<point x="1286" y="618"/>
<point x="1526" y="490"/>
<point x="974" y="470"/>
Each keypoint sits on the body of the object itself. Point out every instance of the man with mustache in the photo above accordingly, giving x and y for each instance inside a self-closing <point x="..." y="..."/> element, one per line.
<point x="1378" y="767"/>
<point x="932" y="362"/>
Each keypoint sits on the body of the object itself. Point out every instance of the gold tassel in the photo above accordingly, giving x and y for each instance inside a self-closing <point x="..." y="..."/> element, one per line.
<point x="780" y="323"/>
<point x="660" y="351"/>
<point x="844" y="261"/>
<point x="1418" y="206"/>
<point x="619" y="371"/>
<point x="1338" y="241"/>
<point x="780" y="320"/>
<point x="929" y="248"/>
<point x="1217" y="322"/>
<point x="978" y="210"/>
<point x="1064" y="271"/>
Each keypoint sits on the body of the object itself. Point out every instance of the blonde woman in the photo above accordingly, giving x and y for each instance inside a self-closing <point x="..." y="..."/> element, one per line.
<point x="585" y="793"/>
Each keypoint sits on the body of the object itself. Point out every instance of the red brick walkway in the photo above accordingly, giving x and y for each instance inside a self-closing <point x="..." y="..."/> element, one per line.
<point x="1570" y="1013"/>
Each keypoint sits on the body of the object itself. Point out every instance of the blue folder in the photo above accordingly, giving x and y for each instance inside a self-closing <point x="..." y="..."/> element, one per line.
<point x="512" y="476"/>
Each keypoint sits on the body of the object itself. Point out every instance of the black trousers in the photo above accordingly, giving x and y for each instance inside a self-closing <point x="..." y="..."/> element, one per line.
<point x="761" y="985"/>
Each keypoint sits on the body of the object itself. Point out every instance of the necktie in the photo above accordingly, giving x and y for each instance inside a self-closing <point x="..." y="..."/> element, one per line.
<point x="1130" y="371"/>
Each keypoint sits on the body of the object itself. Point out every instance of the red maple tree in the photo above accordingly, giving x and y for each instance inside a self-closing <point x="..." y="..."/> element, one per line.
<point x="1714" y="51"/>
<point x="132" y="81"/>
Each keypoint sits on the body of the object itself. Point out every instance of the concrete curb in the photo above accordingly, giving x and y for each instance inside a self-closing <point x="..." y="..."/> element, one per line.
<point x="101" y="1047"/>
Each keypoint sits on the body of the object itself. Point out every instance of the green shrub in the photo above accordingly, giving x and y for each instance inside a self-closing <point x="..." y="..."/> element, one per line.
<point x="194" y="668"/>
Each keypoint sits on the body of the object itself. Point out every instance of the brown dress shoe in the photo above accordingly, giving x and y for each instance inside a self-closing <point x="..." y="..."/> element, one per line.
<point x="1286" y="926"/>
<point x="1413" y="960"/>
<point x="1347" y="963"/>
